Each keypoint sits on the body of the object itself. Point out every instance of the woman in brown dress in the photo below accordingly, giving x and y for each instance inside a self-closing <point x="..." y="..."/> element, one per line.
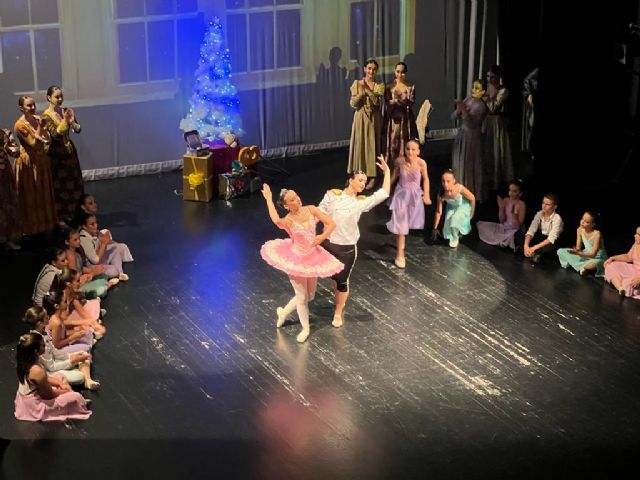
<point x="33" y="171"/>
<point x="65" y="167"/>
<point x="399" y="121"/>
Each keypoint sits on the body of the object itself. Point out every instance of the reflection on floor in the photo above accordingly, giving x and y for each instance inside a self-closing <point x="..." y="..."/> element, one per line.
<point x="469" y="363"/>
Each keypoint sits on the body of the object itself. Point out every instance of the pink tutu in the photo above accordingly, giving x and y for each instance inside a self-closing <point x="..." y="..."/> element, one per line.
<point x="30" y="407"/>
<point x="284" y="255"/>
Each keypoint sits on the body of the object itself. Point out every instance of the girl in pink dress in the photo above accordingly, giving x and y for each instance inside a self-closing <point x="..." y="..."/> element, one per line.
<point x="623" y="271"/>
<point x="41" y="396"/>
<point x="511" y="212"/>
<point x="300" y="256"/>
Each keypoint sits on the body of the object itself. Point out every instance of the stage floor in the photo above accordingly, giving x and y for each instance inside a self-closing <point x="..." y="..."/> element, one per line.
<point x="470" y="363"/>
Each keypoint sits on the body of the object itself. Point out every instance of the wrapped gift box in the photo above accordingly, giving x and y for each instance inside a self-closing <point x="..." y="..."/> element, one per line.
<point x="232" y="185"/>
<point x="198" y="178"/>
<point x="223" y="156"/>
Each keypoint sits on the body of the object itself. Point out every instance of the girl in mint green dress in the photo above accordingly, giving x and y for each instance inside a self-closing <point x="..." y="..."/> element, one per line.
<point x="589" y="253"/>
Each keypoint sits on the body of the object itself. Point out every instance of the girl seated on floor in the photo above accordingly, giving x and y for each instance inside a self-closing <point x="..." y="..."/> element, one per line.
<point x="69" y="332"/>
<point x="589" y="254"/>
<point x="623" y="271"/>
<point x="461" y="205"/>
<point x="511" y="213"/>
<point x="100" y="249"/>
<point x="41" y="396"/>
<point x="89" y="206"/>
<point x="92" y="277"/>
<point x="71" y="365"/>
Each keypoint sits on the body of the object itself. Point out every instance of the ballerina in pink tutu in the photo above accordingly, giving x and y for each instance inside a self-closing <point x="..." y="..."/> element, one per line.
<point x="301" y="256"/>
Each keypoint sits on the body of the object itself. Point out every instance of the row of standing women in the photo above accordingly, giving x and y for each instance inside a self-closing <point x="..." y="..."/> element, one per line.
<point x="45" y="183"/>
<point x="481" y="153"/>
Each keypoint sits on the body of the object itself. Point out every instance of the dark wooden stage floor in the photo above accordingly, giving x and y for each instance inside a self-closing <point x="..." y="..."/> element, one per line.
<point x="471" y="363"/>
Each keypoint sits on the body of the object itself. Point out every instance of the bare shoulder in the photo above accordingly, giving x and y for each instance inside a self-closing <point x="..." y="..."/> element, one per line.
<point x="37" y="373"/>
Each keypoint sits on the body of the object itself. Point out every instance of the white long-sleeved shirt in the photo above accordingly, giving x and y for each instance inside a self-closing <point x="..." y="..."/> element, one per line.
<point x="90" y="245"/>
<point x="52" y="360"/>
<point x="345" y="210"/>
<point x="43" y="283"/>
<point x="550" y="227"/>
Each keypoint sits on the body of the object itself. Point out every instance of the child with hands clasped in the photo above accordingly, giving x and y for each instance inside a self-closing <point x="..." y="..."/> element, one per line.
<point x="461" y="205"/>
<point x="589" y="254"/>
<point x="407" y="203"/>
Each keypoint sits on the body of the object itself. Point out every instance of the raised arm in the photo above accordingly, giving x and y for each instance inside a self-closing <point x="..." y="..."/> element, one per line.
<point x="273" y="213"/>
<point x="386" y="182"/>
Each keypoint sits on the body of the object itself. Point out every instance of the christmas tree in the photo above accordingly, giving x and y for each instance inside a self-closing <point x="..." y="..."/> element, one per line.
<point x="215" y="108"/>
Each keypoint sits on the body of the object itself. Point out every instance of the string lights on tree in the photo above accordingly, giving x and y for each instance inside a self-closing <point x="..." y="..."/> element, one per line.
<point x="215" y="107"/>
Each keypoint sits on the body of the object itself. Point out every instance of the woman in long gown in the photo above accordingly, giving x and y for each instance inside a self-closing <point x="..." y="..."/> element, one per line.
<point x="399" y="121"/>
<point x="9" y="219"/>
<point x="65" y="167"/>
<point x="467" y="147"/>
<point x="33" y="171"/>
<point x="497" y="160"/>
<point x="366" y="131"/>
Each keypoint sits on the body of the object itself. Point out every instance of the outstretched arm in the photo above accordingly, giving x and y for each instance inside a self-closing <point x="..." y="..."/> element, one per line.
<point x="386" y="182"/>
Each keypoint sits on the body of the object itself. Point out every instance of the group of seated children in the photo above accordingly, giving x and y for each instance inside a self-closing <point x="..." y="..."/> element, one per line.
<point x="65" y="320"/>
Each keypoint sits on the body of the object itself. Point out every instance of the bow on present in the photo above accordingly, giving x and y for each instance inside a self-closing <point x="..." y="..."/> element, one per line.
<point x="196" y="179"/>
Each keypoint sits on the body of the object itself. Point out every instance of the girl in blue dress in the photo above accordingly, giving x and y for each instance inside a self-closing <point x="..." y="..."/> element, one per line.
<point x="461" y="205"/>
<point x="589" y="254"/>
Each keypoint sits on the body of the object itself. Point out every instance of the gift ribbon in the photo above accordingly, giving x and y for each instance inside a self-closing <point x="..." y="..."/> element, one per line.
<point x="196" y="179"/>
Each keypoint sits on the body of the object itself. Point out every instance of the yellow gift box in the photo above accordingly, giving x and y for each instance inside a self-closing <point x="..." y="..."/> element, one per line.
<point x="197" y="175"/>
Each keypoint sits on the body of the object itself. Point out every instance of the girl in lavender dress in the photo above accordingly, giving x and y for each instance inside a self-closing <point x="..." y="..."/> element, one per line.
<point x="41" y="396"/>
<point x="589" y="254"/>
<point x="511" y="213"/>
<point x="461" y="205"/>
<point x="300" y="256"/>
<point x="623" y="271"/>
<point x="407" y="203"/>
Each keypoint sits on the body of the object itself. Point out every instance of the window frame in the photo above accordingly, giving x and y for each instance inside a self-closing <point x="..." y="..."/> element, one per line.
<point x="31" y="29"/>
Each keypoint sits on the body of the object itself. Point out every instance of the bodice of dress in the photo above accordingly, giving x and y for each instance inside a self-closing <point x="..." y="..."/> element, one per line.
<point x="59" y="132"/>
<point x="367" y="102"/>
<point x="511" y="212"/>
<point x="455" y="201"/>
<point x="410" y="178"/>
<point x="477" y="111"/>
<point x="496" y="105"/>
<point x="302" y="234"/>
<point x="403" y="97"/>
<point x="29" y="143"/>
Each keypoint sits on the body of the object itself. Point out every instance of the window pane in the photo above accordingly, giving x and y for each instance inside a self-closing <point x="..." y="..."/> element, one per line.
<point x="288" y="2"/>
<point x="159" y="7"/>
<point x="261" y="40"/>
<point x="187" y="6"/>
<point x="14" y="12"/>
<point x="48" y="65"/>
<point x="16" y="55"/>
<point x="288" y="35"/>
<point x="231" y="4"/>
<point x="44" y="11"/>
<point x="190" y="36"/>
<point x="132" y="52"/>
<point x="388" y="29"/>
<point x="237" y="42"/>
<point x="361" y="31"/>
<point x="260" y="3"/>
<point x="162" y="56"/>
<point x="129" y="8"/>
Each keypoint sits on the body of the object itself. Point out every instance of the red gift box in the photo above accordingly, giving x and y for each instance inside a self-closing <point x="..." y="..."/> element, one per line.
<point x="223" y="155"/>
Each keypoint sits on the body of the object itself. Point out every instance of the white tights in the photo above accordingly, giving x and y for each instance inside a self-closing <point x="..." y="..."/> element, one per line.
<point x="305" y="289"/>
